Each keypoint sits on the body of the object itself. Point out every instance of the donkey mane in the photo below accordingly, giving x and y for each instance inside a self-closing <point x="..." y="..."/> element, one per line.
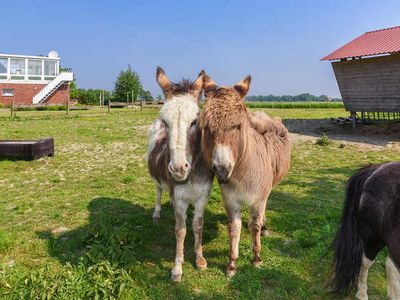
<point x="184" y="86"/>
<point x="223" y="110"/>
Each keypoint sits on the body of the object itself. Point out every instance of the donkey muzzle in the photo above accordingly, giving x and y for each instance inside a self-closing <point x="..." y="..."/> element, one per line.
<point x="179" y="171"/>
<point x="223" y="173"/>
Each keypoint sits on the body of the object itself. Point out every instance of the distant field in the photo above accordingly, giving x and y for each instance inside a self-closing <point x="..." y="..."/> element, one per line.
<point x="78" y="225"/>
<point x="294" y="104"/>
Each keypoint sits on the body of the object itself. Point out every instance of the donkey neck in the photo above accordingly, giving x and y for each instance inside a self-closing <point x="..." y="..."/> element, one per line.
<point x="252" y="167"/>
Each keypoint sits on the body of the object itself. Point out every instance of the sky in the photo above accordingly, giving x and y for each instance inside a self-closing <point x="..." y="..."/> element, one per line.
<point x="279" y="43"/>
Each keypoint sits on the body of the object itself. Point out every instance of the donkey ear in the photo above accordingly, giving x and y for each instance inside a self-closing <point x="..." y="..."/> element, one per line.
<point x="198" y="85"/>
<point x="208" y="83"/>
<point x="243" y="86"/>
<point x="163" y="80"/>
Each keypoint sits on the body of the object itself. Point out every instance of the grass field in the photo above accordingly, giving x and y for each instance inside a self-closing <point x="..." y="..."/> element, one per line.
<point x="294" y="104"/>
<point x="79" y="225"/>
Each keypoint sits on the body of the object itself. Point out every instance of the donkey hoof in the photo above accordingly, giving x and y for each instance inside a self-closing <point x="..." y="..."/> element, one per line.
<point x="257" y="263"/>
<point x="230" y="271"/>
<point x="265" y="233"/>
<point x="201" y="263"/>
<point x="176" y="277"/>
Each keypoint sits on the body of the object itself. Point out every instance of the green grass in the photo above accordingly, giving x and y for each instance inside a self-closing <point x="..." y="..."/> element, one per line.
<point x="78" y="225"/>
<point x="294" y="104"/>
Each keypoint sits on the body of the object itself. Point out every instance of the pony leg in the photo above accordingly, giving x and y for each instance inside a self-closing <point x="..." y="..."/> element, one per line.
<point x="393" y="264"/>
<point x="234" y="228"/>
<point x="362" y="286"/>
<point x="256" y="222"/>
<point x="393" y="279"/>
<point x="157" y="206"/>
<point x="198" y="222"/>
<point x="180" y="208"/>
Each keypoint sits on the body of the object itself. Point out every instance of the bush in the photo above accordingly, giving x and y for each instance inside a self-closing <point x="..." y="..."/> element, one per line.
<point x="323" y="141"/>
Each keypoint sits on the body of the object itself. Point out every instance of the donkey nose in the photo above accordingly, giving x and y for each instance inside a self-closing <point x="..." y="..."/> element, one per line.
<point x="179" y="170"/>
<point x="185" y="167"/>
<point x="222" y="172"/>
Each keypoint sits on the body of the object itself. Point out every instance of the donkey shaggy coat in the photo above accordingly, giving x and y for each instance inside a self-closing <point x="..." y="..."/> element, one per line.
<point x="176" y="163"/>
<point x="248" y="152"/>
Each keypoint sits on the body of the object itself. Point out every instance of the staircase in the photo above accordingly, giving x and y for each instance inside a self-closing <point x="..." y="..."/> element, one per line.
<point x="52" y="86"/>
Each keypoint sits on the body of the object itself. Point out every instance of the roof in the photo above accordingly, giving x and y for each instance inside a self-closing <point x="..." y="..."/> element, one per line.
<point x="28" y="56"/>
<point x="383" y="41"/>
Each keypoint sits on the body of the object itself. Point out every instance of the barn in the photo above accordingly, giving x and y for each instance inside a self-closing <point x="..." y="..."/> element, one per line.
<point x="33" y="80"/>
<point x="367" y="70"/>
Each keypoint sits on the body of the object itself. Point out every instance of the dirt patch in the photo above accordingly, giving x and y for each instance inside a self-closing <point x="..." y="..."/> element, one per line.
<point x="376" y="136"/>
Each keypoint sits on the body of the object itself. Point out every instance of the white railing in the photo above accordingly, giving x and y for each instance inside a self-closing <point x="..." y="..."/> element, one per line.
<point x="52" y="86"/>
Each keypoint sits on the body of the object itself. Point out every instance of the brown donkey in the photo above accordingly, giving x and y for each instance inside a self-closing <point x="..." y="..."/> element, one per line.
<point x="249" y="153"/>
<point x="176" y="163"/>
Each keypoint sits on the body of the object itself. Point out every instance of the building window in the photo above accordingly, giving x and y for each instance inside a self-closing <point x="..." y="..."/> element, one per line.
<point x="17" y="66"/>
<point x="50" y="68"/>
<point x="35" y="67"/>
<point x="3" y="65"/>
<point x="8" y="92"/>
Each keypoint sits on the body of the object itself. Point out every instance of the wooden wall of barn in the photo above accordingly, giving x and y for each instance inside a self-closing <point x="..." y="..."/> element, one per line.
<point x="370" y="84"/>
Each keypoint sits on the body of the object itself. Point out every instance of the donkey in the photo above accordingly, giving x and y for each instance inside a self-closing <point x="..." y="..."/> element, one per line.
<point x="249" y="153"/>
<point x="176" y="163"/>
<point x="370" y="221"/>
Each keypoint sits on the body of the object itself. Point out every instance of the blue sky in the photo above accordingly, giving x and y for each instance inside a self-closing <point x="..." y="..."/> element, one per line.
<point x="278" y="42"/>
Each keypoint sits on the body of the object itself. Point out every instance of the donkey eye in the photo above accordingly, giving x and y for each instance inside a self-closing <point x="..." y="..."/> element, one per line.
<point x="193" y="123"/>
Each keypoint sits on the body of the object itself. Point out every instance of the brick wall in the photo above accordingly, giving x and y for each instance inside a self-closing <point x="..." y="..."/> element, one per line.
<point x="24" y="92"/>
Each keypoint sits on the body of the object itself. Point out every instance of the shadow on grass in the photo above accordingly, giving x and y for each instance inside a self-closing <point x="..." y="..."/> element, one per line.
<point x="124" y="233"/>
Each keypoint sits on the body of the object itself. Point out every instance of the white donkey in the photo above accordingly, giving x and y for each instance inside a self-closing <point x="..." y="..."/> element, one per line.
<point x="176" y="163"/>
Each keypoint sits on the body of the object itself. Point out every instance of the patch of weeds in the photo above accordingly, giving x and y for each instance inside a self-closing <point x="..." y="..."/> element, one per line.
<point x="306" y="239"/>
<point x="323" y="141"/>
<point x="55" y="179"/>
<point x="6" y="240"/>
<point x="128" y="179"/>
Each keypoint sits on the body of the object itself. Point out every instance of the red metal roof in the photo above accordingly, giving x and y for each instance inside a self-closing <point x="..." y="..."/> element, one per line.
<point x="383" y="41"/>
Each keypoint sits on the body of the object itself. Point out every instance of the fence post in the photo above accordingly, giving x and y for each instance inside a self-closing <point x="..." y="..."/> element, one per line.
<point x="141" y="105"/>
<point x="109" y="106"/>
<point x="12" y="108"/>
<point x="67" y="108"/>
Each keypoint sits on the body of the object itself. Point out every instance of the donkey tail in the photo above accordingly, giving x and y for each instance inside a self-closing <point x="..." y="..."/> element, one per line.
<point x="347" y="245"/>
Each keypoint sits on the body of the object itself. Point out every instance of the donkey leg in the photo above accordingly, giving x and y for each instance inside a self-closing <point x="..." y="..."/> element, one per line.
<point x="264" y="229"/>
<point x="157" y="207"/>
<point x="256" y="222"/>
<point x="362" y="286"/>
<point x="234" y="228"/>
<point x="198" y="222"/>
<point x="180" y="208"/>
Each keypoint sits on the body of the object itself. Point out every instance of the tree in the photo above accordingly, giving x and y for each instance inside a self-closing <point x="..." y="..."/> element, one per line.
<point x="128" y="83"/>
<point x="146" y="96"/>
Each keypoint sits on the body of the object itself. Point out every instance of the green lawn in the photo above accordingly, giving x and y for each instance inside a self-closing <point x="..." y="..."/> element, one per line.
<point x="79" y="225"/>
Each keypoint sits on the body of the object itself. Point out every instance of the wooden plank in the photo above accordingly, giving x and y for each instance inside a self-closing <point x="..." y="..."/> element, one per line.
<point x="370" y="84"/>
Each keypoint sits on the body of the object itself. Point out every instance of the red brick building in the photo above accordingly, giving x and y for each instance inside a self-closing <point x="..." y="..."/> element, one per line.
<point x="33" y="80"/>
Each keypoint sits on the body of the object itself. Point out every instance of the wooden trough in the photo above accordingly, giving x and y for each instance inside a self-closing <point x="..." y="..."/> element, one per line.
<point x="26" y="149"/>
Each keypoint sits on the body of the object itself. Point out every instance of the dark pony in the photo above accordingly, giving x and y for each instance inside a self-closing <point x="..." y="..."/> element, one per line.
<point x="370" y="221"/>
